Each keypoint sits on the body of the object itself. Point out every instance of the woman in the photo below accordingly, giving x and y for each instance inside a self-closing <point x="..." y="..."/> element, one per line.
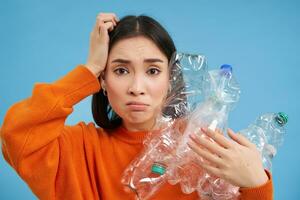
<point x="127" y="73"/>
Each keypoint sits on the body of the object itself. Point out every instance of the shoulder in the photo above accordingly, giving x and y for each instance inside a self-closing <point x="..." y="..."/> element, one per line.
<point x="84" y="131"/>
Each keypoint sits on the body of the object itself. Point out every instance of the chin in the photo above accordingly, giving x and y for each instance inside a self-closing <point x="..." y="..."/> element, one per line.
<point x="138" y="118"/>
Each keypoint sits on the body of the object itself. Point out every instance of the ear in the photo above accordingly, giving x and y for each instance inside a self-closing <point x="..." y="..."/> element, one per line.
<point x="102" y="79"/>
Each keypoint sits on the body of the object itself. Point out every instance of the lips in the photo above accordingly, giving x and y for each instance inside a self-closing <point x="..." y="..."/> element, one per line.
<point x="137" y="106"/>
<point x="136" y="103"/>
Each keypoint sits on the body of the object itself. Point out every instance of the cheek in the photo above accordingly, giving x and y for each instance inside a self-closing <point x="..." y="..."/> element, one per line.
<point x="115" y="87"/>
<point x="115" y="91"/>
<point x="113" y="84"/>
<point x="159" y="90"/>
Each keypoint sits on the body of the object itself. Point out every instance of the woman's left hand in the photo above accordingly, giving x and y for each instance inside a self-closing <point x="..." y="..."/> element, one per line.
<point x="237" y="161"/>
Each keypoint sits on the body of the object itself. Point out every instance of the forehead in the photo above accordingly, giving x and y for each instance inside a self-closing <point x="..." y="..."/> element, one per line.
<point x="136" y="48"/>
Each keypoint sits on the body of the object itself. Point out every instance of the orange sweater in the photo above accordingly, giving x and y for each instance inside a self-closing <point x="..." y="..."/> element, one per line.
<point x="81" y="161"/>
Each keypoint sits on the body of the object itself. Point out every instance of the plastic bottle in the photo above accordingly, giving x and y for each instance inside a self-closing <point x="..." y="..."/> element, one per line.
<point x="148" y="172"/>
<point x="267" y="133"/>
<point x="221" y="92"/>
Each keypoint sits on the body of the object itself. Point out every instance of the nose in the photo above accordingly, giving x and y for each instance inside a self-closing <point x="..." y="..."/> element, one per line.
<point x="136" y="86"/>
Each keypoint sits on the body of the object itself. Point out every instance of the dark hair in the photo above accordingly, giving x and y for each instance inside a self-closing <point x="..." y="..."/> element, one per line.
<point x="127" y="27"/>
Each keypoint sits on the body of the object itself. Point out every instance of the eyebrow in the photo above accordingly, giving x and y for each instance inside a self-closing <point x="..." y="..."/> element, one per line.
<point x="148" y="60"/>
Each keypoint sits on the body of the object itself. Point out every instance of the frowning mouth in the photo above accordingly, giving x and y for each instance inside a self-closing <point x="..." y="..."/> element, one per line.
<point x="137" y="106"/>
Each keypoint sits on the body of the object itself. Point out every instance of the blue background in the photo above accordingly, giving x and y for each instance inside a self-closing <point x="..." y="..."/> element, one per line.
<point x="41" y="41"/>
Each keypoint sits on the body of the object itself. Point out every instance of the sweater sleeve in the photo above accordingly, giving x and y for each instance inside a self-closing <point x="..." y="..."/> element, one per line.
<point x="262" y="192"/>
<point x="31" y="128"/>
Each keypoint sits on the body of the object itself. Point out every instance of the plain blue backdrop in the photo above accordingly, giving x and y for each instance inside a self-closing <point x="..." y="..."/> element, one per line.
<point x="41" y="41"/>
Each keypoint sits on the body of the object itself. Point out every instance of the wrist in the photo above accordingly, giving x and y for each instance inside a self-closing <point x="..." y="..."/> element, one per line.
<point x="259" y="180"/>
<point x="94" y="69"/>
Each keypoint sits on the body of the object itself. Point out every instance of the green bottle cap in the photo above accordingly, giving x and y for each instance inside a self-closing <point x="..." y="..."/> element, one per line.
<point x="158" y="169"/>
<point x="282" y="118"/>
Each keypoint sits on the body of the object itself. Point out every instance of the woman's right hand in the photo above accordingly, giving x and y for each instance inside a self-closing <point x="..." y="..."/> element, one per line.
<point x="99" y="42"/>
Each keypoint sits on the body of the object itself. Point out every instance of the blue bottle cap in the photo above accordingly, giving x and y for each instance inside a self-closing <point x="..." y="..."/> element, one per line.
<point x="226" y="67"/>
<point x="226" y="70"/>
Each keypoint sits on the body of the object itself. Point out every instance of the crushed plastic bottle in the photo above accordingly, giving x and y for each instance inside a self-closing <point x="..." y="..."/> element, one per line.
<point x="221" y="92"/>
<point x="148" y="172"/>
<point x="267" y="133"/>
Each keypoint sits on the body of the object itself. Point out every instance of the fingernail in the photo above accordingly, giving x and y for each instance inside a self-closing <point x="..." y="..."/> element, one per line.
<point x="192" y="136"/>
<point x="189" y="143"/>
<point x="204" y="129"/>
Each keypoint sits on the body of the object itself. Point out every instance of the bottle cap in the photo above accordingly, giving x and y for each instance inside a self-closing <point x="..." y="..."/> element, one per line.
<point x="282" y="118"/>
<point x="226" y="69"/>
<point x="158" y="169"/>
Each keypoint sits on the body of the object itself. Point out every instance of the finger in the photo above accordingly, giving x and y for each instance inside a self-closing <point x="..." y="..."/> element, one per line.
<point x="100" y="26"/>
<point x="109" y="26"/>
<point x="106" y="20"/>
<point x="113" y="21"/>
<point x="117" y="18"/>
<point x="109" y="20"/>
<point x="215" y="160"/>
<point x="113" y="15"/>
<point x="104" y="28"/>
<point x="212" y="170"/>
<point x="106" y="17"/>
<point x="219" y="131"/>
<point x="240" y="139"/>
<point x="211" y="146"/>
<point x="95" y="28"/>
<point x="218" y="137"/>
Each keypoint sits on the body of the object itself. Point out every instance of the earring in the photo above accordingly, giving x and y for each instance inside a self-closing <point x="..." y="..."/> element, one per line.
<point x="104" y="92"/>
<point x="169" y="89"/>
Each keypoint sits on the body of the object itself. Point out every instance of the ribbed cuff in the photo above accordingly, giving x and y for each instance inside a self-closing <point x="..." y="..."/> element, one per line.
<point x="262" y="192"/>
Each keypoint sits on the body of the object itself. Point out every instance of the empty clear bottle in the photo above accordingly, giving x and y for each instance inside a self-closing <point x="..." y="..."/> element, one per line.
<point x="267" y="133"/>
<point x="221" y="92"/>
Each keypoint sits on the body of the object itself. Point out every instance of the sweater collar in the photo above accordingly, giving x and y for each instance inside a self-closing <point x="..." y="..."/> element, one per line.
<point x="133" y="137"/>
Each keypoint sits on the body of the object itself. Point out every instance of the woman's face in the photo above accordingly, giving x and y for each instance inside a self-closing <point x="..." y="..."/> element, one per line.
<point x="136" y="80"/>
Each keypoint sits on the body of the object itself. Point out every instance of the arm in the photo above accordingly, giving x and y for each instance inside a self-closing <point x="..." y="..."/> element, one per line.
<point x="32" y="128"/>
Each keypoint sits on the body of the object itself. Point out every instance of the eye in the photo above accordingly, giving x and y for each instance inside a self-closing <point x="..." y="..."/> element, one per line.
<point x="121" y="71"/>
<point x="153" y="71"/>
